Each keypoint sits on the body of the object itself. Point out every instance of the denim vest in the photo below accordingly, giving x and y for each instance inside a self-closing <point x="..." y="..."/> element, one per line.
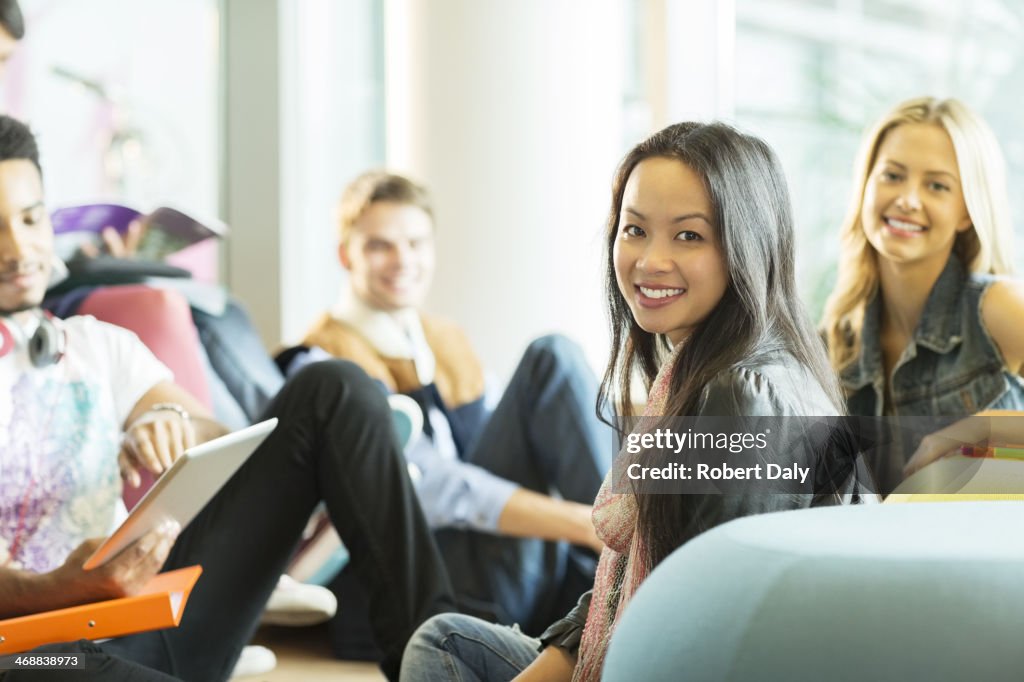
<point x="952" y="367"/>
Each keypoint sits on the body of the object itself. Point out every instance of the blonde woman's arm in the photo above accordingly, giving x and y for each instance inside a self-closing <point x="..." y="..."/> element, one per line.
<point x="978" y="430"/>
<point x="1002" y="309"/>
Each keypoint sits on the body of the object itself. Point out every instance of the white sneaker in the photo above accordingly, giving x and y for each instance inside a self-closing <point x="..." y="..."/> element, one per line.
<point x="255" y="660"/>
<point x="297" y="604"/>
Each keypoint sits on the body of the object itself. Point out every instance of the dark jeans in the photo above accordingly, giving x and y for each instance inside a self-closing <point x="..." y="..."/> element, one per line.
<point x="335" y="443"/>
<point x="545" y="436"/>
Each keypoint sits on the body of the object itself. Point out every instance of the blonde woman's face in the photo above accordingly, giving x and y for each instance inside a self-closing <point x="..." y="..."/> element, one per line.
<point x="669" y="263"/>
<point x="913" y="204"/>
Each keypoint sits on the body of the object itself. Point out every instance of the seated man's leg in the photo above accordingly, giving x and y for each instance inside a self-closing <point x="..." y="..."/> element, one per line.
<point x="505" y="579"/>
<point x="544" y="433"/>
<point x="545" y="436"/>
<point x="456" y="647"/>
<point x="334" y="442"/>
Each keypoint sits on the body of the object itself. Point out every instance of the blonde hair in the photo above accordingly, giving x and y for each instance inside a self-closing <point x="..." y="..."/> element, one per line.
<point x="378" y="186"/>
<point x="984" y="248"/>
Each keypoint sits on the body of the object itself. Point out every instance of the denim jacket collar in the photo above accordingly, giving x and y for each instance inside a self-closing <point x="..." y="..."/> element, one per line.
<point x="940" y="328"/>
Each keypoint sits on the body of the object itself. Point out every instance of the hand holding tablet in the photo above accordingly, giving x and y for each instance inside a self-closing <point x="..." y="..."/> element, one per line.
<point x="154" y="441"/>
<point x="184" y="489"/>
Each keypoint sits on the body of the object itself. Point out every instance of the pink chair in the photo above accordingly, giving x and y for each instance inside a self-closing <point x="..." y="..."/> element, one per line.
<point x="162" y="320"/>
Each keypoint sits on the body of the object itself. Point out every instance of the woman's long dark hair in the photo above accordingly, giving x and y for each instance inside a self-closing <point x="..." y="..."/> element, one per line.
<point x="759" y="312"/>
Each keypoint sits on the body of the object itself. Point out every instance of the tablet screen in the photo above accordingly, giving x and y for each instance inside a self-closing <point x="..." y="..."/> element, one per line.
<point x="184" y="489"/>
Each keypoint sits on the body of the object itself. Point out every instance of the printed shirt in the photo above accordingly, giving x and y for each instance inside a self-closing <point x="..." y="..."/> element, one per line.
<point x="60" y="431"/>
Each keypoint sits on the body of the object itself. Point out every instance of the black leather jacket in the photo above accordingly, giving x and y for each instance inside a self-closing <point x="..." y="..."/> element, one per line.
<point x="774" y="385"/>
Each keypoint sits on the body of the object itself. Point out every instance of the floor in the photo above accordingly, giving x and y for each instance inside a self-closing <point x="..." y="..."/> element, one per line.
<point x="304" y="654"/>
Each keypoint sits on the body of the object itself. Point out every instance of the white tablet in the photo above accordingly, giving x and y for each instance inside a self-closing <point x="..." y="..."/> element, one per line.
<point x="184" y="489"/>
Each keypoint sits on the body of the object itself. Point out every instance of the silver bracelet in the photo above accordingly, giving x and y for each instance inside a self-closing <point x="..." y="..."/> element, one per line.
<point x="172" y="407"/>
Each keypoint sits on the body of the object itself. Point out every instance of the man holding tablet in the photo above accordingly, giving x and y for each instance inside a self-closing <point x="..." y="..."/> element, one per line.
<point x="83" y="404"/>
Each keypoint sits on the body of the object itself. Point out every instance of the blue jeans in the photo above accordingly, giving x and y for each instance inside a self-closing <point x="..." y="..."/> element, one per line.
<point x="463" y="648"/>
<point x="545" y="436"/>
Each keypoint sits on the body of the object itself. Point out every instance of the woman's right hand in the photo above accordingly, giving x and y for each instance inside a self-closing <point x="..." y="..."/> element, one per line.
<point x="553" y="665"/>
<point x="124" y="575"/>
<point x="947" y="442"/>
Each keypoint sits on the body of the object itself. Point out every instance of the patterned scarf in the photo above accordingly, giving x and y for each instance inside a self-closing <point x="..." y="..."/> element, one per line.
<point x="625" y="561"/>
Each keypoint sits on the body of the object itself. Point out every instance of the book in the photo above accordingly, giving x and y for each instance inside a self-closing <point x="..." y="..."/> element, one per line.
<point x="960" y="477"/>
<point x="167" y="230"/>
<point x="160" y="604"/>
<point x="993" y="451"/>
<point x="321" y="556"/>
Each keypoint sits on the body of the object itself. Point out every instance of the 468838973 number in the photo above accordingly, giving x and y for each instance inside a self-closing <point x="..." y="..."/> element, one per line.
<point x="42" y="662"/>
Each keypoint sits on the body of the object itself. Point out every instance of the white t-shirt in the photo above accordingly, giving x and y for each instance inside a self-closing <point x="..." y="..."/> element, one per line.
<point x="60" y="433"/>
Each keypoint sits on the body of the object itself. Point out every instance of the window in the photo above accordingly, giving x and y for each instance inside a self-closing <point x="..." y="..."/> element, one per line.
<point x="811" y="76"/>
<point x="103" y="84"/>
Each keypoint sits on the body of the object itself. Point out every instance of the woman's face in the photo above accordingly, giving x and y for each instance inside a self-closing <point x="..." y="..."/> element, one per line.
<point x="913" y="204"/>
<point x="668" y="259"/>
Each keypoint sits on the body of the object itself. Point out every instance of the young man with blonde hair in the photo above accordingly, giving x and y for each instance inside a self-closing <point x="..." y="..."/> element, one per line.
<point x="508" y="491"/>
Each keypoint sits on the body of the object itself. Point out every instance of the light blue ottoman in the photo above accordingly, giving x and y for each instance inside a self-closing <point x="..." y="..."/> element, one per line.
<point x="881" y="592"/>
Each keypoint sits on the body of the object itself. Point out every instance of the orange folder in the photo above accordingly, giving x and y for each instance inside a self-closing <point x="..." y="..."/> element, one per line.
<point x="160" y="604"/>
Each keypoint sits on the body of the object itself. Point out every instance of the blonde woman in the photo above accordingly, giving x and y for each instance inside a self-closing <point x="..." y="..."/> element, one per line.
<point x="923" y="320"/>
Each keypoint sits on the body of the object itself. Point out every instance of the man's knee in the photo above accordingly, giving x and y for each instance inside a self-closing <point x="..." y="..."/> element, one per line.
<point x="333" y="371"/>
<point x="554" y="351"/>
<point x="342" y="380"/>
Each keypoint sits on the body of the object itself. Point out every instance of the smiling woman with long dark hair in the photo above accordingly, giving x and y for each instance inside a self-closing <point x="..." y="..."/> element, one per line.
<point x="702" y="303"/>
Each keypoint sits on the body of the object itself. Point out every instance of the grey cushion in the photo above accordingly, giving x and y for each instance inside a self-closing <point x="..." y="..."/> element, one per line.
<point x="879" y="592"/>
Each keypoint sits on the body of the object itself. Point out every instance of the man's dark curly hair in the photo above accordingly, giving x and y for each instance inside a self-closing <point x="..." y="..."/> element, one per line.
<point x="11" y="19"/>
<point x="18" y="142"/>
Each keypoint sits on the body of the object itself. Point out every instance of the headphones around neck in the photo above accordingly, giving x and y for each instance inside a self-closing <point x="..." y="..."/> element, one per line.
<point x="46" y="345"/>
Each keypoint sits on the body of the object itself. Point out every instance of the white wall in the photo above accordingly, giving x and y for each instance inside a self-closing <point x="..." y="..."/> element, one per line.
<point x="332" y="112"/>
<point x="255" y="259"/>
<point x="511" y="113"/>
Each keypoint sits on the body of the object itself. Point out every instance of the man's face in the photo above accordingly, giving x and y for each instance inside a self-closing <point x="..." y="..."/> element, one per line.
<point x="389" y="256"/>
<point x="7" y="47"/>
<point x="26" y="237"/>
